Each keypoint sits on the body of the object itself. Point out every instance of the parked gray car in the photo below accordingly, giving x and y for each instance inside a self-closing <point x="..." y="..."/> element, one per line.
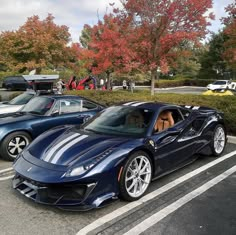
<point x="17" y="103"/>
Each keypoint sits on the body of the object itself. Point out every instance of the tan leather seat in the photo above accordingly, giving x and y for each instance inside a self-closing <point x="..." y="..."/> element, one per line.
<point x="134" y="119"/>
<point x="164" y="121"/>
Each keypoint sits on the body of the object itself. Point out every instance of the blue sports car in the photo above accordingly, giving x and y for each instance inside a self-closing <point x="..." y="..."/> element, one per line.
<point x="115" y="154"/>
<point x="40" y="114"/>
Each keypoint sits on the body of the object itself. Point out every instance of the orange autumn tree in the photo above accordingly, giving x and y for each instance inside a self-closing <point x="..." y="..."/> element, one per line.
<point x="159" y="26"/>
<point x="35" y="45"/>
<point x="230" y="35"/>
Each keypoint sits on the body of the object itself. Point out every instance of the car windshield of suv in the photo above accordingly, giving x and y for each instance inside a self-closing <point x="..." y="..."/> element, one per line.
<point x="121" y="120"/>
<point x="21" y="99"/>
<point x="219" y="83"/>
<point x="38" y="105"/>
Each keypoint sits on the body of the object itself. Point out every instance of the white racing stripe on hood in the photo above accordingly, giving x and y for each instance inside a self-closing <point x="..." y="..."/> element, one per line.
<point x="66" y="147"/>
<point x="59" y="145"/>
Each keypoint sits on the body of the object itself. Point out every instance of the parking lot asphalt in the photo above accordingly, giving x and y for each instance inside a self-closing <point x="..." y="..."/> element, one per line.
<point x="197" y="199"/>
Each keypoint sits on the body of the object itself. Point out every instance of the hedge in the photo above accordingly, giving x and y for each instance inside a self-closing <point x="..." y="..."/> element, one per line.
<point x="183" y="82"/>
<point x="224" y="104"/>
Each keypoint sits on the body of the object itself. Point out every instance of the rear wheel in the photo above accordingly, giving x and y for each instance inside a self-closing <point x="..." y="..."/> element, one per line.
<point x="136" y="176"/>
<point x="13" y="144"/>
<point x="219" y="140"/>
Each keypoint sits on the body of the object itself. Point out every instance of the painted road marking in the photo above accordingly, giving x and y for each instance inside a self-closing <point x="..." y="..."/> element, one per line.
<point x="6" y="178"/>
<point x="5" y="170"/>
<point x="120" y="211"/>
<point x="155" y="218"/>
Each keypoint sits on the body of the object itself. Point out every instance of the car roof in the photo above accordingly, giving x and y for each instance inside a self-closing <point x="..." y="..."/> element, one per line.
<point x="59" y="96"/>
<point x="150" y="105"/>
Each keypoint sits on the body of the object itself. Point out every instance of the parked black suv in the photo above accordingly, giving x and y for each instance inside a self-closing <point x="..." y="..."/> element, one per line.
<point x="15" y="83"/>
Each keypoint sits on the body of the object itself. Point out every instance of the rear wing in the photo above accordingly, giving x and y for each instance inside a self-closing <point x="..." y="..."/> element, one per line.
<point x="202" y="109"/>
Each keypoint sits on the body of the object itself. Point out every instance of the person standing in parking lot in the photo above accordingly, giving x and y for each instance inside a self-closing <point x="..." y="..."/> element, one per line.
<point x="124" y="85"/>
<point x="60" y="84"/>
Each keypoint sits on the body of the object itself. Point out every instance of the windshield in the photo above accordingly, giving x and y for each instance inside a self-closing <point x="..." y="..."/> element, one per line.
<point x="38" y="105"/>
<point x="121" y="120"/>
<point x="21" y="99"/>
<point x="219" y="83"/>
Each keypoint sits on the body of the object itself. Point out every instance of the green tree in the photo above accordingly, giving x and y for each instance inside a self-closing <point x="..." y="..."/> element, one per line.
<point x="212" y="62"/>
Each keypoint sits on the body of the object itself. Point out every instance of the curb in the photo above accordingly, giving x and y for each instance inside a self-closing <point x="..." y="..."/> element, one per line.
<point x="231" y="139"/>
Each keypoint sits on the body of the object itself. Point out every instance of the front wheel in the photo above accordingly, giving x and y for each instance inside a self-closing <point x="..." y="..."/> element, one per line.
<point x="219" y="140"/>
<point x="13" y="144"/>
<point x="136" y="176"/>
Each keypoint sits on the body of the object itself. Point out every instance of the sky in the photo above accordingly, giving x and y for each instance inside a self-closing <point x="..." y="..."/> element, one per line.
<point x="73" y="13"/>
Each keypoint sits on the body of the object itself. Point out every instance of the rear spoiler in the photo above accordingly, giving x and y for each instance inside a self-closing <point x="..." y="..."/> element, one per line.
<point x="200" y="108"/>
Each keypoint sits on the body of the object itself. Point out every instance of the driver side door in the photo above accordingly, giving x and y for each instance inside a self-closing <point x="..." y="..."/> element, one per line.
<point x="171" y="152"/>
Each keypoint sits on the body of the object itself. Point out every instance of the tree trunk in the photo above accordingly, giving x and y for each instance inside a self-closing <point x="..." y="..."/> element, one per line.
<point x="153" y="76"/>
<point x="108" y="81"/>
<point x="38" y="70"/>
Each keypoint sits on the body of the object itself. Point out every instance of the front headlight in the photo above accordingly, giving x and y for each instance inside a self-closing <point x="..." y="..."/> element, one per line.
<point x="87" y="165"/>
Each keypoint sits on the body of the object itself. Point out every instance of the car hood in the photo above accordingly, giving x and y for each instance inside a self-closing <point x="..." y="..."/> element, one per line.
<point x="70" y="147"/>
<point x="7" y="108"/>
<point x="15" y="117"/>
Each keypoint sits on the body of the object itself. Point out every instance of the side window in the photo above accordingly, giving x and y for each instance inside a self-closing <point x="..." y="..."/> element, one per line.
<point x="86" y="105"/>
<point x="167" y="118"/>
<point x="194" y="128"/>
<point x="198" y="123"/>
<point x="70" y="106"/>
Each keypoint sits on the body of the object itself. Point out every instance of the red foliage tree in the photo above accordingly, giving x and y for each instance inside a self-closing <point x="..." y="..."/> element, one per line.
<point x="108" y="49"/>
<point x="159" y="26"/>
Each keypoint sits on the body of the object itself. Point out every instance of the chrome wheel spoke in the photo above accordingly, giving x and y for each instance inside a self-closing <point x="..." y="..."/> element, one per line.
<point x="130" y="178"/>
<point x="22" y="143"/>
<point x="135" y="187"/>
<point x="132" y="185"/>
<point x="17" y="139"/>
<point x="11" y="144"/>
<point x="19" y="150"/>
<point x="140" y="164"/>
<point x="12" y="150"/>
<point x="145" y="182"/>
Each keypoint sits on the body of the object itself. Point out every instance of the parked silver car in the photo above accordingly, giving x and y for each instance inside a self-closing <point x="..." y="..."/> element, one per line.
<point x="17" y="103"/>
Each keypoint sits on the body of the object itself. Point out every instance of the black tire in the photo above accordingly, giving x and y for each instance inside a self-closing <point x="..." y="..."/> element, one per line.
<point x="124" y="194"/>
<point x="217" y="152"/>
<point x="20" y="138"/>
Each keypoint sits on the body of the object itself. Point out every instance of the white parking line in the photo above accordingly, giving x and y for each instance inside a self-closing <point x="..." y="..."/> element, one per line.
<point x="120" y="211"/>
<point x="155" y="218"/>
<point x="6" y="178"/>
<point x="5" y="170"/>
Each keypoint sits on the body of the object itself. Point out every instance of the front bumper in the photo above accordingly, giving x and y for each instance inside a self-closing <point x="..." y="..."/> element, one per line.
<point x="67" y="195"/>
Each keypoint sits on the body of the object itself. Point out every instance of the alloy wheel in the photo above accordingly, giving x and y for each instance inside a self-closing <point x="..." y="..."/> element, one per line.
<point x="138" y="176"/>
<point x="219" y="140"/>
<point x="16" y="145"/>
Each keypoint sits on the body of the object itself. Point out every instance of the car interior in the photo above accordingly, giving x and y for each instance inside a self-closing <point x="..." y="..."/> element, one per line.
<point x="167" y="119"/>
